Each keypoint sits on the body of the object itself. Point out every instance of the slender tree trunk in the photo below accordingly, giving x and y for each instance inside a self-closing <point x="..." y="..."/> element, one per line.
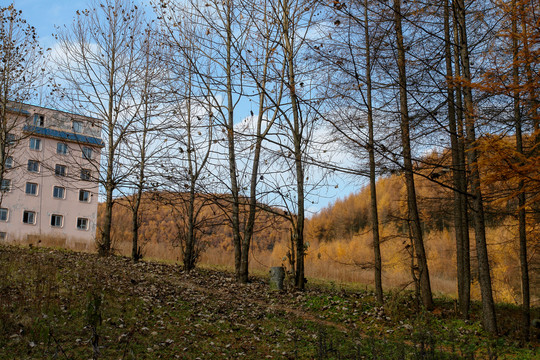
<point x="484" y="276"/>
<point x="3" y="136"/>
<point x="189" y="245"/>
<point x="297" y="143"/>
<point x="189" y="251"/>
<point x="135" y="252"/>
<point x="250" y="226"/>
<point x="525" y="291"/>
<point x="462" y="171"/>
<point x="237" y="240"/>
<point x="372" y="177"/>
<point x="414" y="219"/>
<point x="457" y="173"/>
<point x="105" y="246"/>
<point x="135" y="224"/>
<point x="135" y="231"/>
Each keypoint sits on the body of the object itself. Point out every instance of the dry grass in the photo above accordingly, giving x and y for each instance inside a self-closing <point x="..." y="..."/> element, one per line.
<point x="55" y="242"/>
<point x="349" y="261"/>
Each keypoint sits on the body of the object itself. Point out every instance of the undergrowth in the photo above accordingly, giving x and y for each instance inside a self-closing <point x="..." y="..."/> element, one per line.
<point x="64" y="305"/>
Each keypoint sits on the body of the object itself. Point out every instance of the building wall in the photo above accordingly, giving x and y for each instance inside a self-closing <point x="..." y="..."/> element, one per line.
<point x="70" y="208"/>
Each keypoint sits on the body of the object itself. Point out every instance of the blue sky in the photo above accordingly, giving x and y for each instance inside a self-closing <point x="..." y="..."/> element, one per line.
<point x="45" y="15"/>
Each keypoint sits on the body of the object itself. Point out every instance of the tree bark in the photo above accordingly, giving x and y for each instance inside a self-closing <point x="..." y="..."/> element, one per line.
<point x="463" y="190"/>
<point x="458" y="172"/>
<point x="372" y="165"/>
<point x="414" y="219"/>
<point x="237" y="240"/>
<point x="522" y="220"/>
<point x="484" y="276"/>
<point x="297" y="144"/>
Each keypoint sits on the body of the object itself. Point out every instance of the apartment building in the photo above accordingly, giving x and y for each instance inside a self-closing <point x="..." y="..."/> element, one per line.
<point x="49" y="188"/>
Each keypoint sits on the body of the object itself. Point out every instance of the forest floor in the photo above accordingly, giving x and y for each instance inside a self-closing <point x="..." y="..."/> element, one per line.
<point x="57" y="304"/>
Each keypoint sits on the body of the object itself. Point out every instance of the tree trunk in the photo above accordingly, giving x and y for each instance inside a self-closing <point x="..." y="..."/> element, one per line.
<point x="414" y="219"/>
<point x="104" y="247"/>
<point x="484" y="276"/>
<point x="250" y="226"/>
<point x="189" y="259"/>
<point x="522" y="220"/>
<point x="372" y="177"/>
<point x="297" y="140"/>
<point x="135" y="253"/>
<point x="457" y="174"/>
<point x="462" y="171"/>
<point x="237" y="240"/>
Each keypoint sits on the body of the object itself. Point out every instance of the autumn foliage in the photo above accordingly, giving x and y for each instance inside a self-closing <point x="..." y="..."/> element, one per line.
<point x="161" y="226"/>
<point x="339" y="237"/>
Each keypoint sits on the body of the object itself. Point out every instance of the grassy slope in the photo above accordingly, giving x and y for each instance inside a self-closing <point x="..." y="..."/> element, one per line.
<point x="50" y="300"/>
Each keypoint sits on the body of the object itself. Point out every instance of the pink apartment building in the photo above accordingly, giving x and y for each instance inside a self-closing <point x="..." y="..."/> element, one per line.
<point x="49" y="188"/>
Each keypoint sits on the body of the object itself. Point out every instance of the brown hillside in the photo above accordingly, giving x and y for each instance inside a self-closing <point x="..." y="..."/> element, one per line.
<point x="340" y="240"/>
<point x="161" y="217"/>
<point x="341" y="233"/>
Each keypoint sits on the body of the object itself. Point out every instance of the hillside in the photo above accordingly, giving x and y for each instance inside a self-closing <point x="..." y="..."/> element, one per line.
<point x="339" y="236"/>
<point x="161" y="218"/>
<point x="342" y="232"/>
<point x="66" y="305"/>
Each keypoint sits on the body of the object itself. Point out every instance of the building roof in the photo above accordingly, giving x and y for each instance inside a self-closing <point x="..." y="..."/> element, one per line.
<point x="64" y="135"/>
<point x="15" y="110"/>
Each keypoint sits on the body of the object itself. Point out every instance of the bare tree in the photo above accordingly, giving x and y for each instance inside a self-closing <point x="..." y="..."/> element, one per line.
<point x="22" y="69"/>
<point x="96" y="68"/>
<point x="223" y="60"/>
<point x="143" y="149"/>
<point x="296" y="19"/>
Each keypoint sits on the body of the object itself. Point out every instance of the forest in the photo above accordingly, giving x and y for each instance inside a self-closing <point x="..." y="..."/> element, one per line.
<point x="340" y="238"/>
<point x="229" y="118"/>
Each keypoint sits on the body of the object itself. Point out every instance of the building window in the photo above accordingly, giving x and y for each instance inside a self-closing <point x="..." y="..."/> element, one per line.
<point x="60" y="170"/>
<point x="35" y="144"/>
<point x="3" y="236"/>
<point x="3" y="214"/>
<point x="87" y="152"/>
<point x="31" y="188"/>
<point x="84" y="195"/>
<point x="33" y="166"/>
<point x="57" y="220"/>
<point x="82" y="223"/>
<point x="86" y="174"/>
<point x="59" y="192"/>
<point x="29" y="217"/>
<point x="9" y="163"/>
<point x="10" y="139"/>
<point x="61" y="148"/>
<point x="39" y="120"/>
<point x="5" y="185"/>
<point x="77" y="126"/>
